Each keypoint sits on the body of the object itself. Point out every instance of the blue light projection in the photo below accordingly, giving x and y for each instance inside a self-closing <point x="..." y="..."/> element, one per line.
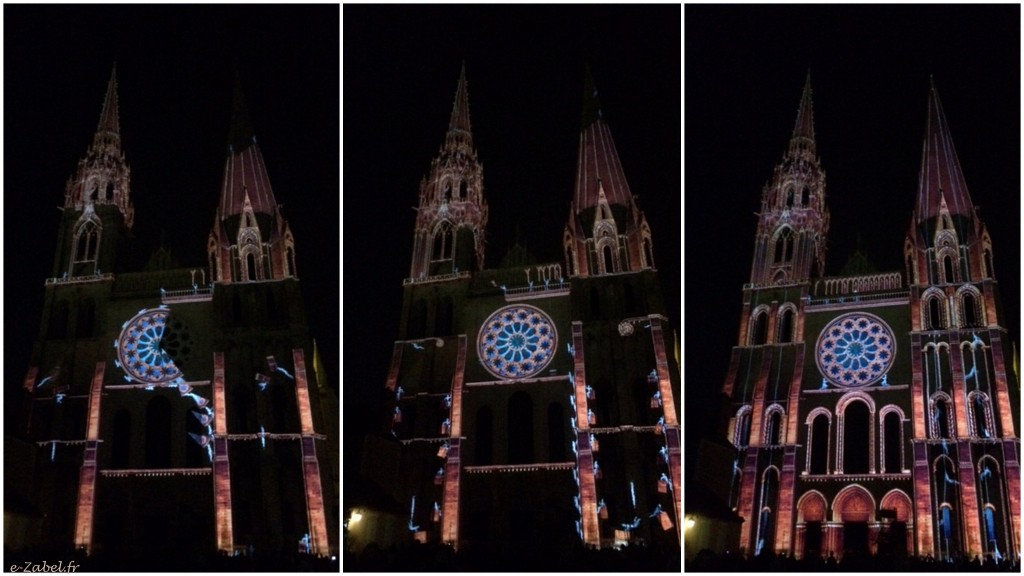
<point x="516" y="341"/>
<point x="139" y="348"/>
<point x="855" y="349"/>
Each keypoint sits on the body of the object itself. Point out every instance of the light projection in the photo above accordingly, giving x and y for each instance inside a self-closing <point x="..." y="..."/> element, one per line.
<point x="855" y="350"/>
<point x="516" y="341"/>
<point x="140" y="349"/>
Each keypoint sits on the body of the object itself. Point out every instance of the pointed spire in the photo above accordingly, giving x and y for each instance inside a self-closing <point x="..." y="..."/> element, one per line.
<point x="241" y="133"/>
<point x="591" y="104"/>
<point x="459" y="131"/>
<point x="598" y="162"/>
<point x="941" y="180"/>
<point x="109" y="124"/>
<point x="803" y="130"/>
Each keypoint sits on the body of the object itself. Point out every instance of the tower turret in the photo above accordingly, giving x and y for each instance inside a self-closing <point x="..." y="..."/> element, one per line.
<point x="452" y="212"/>
<point x="606" y="232"/>
<point x="793" y="220"/>
<point x="98" y="211"/>
<point x="250" y="239"/>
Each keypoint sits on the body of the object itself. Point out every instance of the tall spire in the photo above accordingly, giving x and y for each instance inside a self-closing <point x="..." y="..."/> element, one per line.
<point x="244" y="170"/>
<point x="598" y="159"/>
<point x="459" y="131"/>
<point x="940" y="169"/>
<point x="803" y="130"/>
<point x="108" y="131"/>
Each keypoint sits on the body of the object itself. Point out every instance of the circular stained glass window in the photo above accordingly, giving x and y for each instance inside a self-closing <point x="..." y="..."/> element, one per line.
<point x="516" y="341"/>
<point x="141" y="349"/>
<point x="855" y="350"/>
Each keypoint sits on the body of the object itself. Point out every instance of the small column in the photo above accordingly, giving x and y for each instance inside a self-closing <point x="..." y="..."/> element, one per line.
<point x="221" y="464"/>
<point x="87" y="477"/>
<point x="874" y="529"/>
<point x="310" y="463"/>
<point x="922" y="501"/>
<point x="798" y="549"/>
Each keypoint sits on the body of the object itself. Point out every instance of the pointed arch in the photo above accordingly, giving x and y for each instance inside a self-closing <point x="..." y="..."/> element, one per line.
<point x="851" y="449"/>
<point x="774" y="426"/>
<point x="783" y="243"/>
<point x="811" y="507"/>
<point x="86" y="245"/>
<point x="942" y="421"/>
<point x="970" y="308"/>
<point x="443" y="241"/>
<point x="741" y="429"/>
<point x="787" y="325"/>
<point x="767" y="510"/>
<point x="980" y="423"/>
<point x="934" y="311"/>
<point x="890" y="427"/>
<point x="758" y="333"/>
<point x="946" y="506"/>
<point x="819" y="433"/>
<point x="853" y="504"/>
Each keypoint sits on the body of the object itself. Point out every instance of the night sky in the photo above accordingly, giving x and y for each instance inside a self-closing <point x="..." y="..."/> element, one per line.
<point x="525" y="68"/>
<point x="175" y="70"/>
<point x="744" y="71"/>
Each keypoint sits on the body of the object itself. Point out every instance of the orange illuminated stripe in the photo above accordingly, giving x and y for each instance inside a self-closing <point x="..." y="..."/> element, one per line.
<point x="310" y="464"/>
<point x="668" y="402"/>
<point x="221" y="464"/>
<point x="302" y="392"/>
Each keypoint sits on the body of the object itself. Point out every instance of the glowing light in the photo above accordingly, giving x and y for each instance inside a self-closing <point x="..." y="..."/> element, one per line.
<point x="355" y="517"/>
<point x="690" y="522"/>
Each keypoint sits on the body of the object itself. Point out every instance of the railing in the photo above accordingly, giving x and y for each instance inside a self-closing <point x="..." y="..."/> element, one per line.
<point x="150" y="472"/>
<point x="895" y="296"/>
<point x="537" y="290"/>
<point x="437" y="278"/>
<point x="194" y="294"/>
<point x="856" y="284"/>
<point x="79" y="279"/>
<point x="519" y="467"/>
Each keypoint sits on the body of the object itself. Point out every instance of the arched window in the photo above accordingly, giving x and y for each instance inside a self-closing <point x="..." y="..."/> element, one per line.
<point x="648" y="253"/>
<point x="980" y="409"/>
<point x="213" y="267"/>
<point x="759" y="333"/>
<point x="941" y="417"/>
<point x="773" y="426"/>
<point x="786" y="326"/>
<point x="910" y="269"/>
<point x="609" y="261"/>
<point x="947" y="493"/>
<point x="87" y="242"/>
<point x="483" y="451"/>
<point x="444" y="240"/>
<point x="969" y="310"/>
<point x="569" y="264"/>
<point x="789" y="198"/>
<point x="819" y="443"/>
<point x="988" y="263"/>
<point x="250" y="267"/>
<point x="556" y="433"/>
<point x="803" y="196"/>
<point x="120" y="452"/>
<point x="892" y="445"/>
<point x="462" y="190"/>
<point x="289" y="256"/>
<point x="784" y="246"/>
<point x="856" y="427"/>
<point x="935" y="315"/>
<point x="947" y="267"/>
<point x="768" y="498"/>
<point x="741" y="433"/>
<point x="520" y="429"/>
<point x="158" y="433"/>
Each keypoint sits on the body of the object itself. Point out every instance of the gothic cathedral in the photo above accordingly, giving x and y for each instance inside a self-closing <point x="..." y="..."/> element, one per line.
<point x="533" y="404"/>
<point x="173" y="412"/>
<point x="874" y="413"/>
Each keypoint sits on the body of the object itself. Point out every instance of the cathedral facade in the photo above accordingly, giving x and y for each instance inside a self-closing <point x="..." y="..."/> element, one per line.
<point x="874" y="413"/>
<point x="174" y="412"/>
<point x="533" y="404"/>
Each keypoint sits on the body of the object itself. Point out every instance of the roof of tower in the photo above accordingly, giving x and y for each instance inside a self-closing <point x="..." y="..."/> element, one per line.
<point x="940" y="169"/>
<point x="109" y="115"/>
<point x="458" y="127"/>
<point x="598" y="165"/>
<point x="803" y="130"/>
<point x="244" y="170"/>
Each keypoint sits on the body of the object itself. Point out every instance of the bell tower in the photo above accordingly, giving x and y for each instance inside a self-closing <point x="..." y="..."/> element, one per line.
<point x="793" y="220"/>
<point x="452" y="212"/>
<point x="97" y="210"/>
<point x="606" y="233"/>
<point x="250" y="240"/>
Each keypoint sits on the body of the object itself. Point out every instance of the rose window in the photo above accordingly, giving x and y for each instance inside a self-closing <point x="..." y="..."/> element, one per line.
<point x="516" y="342"/>
<point x="855" y="349"/>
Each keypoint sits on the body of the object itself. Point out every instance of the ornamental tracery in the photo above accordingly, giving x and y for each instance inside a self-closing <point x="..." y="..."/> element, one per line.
<point x="516" y="341"/>
<point x="855" y="350"/>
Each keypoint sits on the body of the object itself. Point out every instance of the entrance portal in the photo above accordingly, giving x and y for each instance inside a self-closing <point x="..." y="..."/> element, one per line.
<point x="812" y="540"/>
<point x="855" y="538"/>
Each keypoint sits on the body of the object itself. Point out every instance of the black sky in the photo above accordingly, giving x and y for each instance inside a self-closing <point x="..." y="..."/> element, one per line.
<point x="870" y="65"/>
<point x="175" y="70"/>
<point x="525" y="69"/>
